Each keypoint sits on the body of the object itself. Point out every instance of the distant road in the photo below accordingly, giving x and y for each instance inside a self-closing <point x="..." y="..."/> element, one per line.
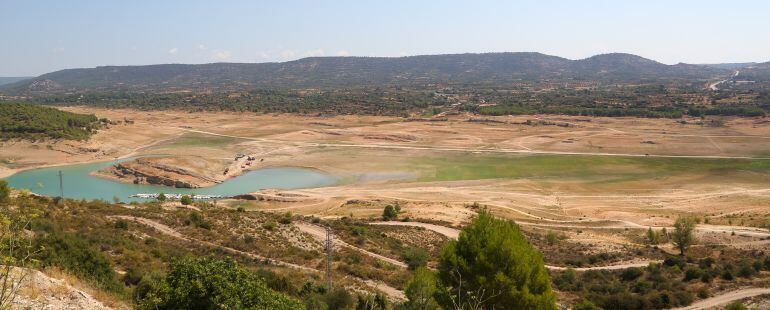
<point x="714" y="86"/>
<point x="726" y="298"/>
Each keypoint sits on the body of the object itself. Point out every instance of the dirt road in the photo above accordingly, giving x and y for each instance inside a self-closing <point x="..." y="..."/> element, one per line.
<point x="454" y="233"/>
<point x="726" y="298"/>
<point x="173" y="233"/>
<point x="319" y="233"/>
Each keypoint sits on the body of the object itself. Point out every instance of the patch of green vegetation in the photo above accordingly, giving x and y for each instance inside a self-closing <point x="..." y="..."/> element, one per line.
<point x="27" y="121"/>
<point x="198" y="140"/>
<point x="596" y="168"/>
<point x="210" y="283"/>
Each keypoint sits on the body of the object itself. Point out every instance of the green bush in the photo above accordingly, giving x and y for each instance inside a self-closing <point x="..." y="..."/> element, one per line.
<point x="121" y="224"/>
<point x="77" y="256"/>
<point x="420" y="291"/>
<point x="5" y="191"/>
<point x="269" y="225"/>
<point x="493" y="263"/>
<point x="198" y="220"/>
<point x="692" y="273"/>
<point x="736" y="305"/>
<point x="209" y="283"/>
<point x="338" y="298"/>
<point x="389" y="213"/>
<point x="415" y="258"/>
<point x="286" y="218"/>
<point x="186" y="200"/>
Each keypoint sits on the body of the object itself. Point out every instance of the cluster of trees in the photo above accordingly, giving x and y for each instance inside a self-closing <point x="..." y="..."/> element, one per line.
<point x="670" y="284"/>
<point x="28" y="121"/>
<point x="366" y="101"/>
<point x="650" y="100"/>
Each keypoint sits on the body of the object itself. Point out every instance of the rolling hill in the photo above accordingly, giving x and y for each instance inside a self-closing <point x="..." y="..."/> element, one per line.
<point x="12" y="79"/>
<point x="494" y="69"/>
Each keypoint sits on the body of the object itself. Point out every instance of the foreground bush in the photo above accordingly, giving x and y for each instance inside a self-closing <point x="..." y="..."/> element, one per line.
<point x="492" y="266"/>
<point x="209" y="283"/>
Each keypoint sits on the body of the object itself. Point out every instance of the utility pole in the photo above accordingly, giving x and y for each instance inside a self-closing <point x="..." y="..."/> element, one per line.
<point x="61" y="185"/>
<point x="329" y="245"/>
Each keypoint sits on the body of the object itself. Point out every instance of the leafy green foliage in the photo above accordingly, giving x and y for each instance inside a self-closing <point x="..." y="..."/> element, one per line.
<point x="415" y="258"/>
<point x="338" y="298"/>
<point x="75" y="255"/>
<point x="28" y="121"/>
<point x="420" y="291"/>
<point x="389" y="213"/>
<point x="5" y="191"/>
<point x="683" y="237"/>
<point x="186" y="200"/>
<point x="208" y="283"/>
<point x="736" y="305"/>
<point x="198" y="220"/>
<point x="491" y="264"/>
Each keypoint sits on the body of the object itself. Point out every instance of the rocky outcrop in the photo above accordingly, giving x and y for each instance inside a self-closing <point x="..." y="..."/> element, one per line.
<point x="142" y="171"/>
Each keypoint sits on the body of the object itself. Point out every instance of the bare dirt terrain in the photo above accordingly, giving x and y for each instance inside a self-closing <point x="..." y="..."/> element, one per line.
<point x="599" y="183"/>
<point x="558" y="171"/>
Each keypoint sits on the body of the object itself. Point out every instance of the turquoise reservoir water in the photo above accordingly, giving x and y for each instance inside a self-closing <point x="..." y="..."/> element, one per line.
<point x="78" y="183"/>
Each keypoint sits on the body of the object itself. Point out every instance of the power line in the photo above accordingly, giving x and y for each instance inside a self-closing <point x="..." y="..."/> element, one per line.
<point x="61" y="185"/>
<point x="329" y="246"/>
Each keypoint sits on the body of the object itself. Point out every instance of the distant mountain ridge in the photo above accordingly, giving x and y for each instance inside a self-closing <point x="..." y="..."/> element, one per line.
<point x="335" y="72"/>
<point x="12" y="79"/>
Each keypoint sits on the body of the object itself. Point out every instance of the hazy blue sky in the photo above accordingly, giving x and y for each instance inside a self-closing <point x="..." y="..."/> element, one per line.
<point x="42" y="36"/>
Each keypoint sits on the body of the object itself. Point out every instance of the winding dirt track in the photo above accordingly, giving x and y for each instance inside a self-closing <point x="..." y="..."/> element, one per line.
<point x="166" y="230"/>
<point x="173" y="233"/>
<point x="454" y="233"/>
<point x="319" y="233"/>
<point x="726" y="298"/>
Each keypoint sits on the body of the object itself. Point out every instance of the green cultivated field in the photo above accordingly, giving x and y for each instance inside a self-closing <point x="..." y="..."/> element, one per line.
<point x="596" y="168"/>
<point x="198" y="140"/>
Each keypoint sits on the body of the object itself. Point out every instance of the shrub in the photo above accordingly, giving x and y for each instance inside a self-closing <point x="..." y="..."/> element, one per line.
<point x="420" y="290"/>
<point x="339" y="298"/>
<point x="269" y="225"/>
<point x="285" y="218"/>
<point x="186" y="200"/>
<point x="683" y="233"/>
<point x="692" y="273"/>
<point x="78" y="257"/>
<point x="249" y="239"/>
<point x="493" y="264"/>
<point x="746" y="270"/>
<point x="5" y="191"/>
<point x="415" y="258"/>
<point x="551" y="238"/>
<point x="198" y="220"/>
<point x="585" y="305"/>
<point x="389" y="213"/>
<point x="209" y="283"/>
<point x="121" y="224"/>
<point x="736" y="305"/>
<point x="630" y="274"/>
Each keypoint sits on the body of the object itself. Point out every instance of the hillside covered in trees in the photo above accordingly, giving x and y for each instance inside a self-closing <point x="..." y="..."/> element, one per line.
<point x="26" y="121"/>
<point x="490" y="69"/>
